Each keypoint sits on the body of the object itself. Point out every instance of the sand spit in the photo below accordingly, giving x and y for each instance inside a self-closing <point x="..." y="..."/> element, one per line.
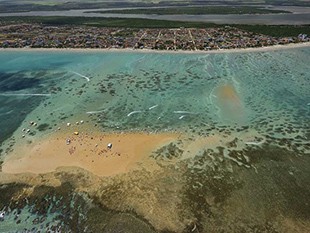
<point x="88" y="151"/>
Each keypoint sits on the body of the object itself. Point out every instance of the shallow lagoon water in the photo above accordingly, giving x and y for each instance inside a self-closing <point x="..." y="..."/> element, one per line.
<point x="253" y="100"/>
<point x="156" y="92"/>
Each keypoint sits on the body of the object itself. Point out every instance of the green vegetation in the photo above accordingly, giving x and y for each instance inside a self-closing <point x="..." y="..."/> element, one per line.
<point x="105" y="22"/>
<point x="276" y="30"/>
<point x="60" y="6"/>
<point x="287" y="2"/>
<point x="271" y="30"/>
<point x="197" y="10"/>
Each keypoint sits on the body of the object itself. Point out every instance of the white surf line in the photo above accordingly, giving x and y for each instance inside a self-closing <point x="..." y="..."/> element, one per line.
<point x="154" y="106"/>
<point x="194" y="228"/>
<point x="6" y="113"/>
<point x="185" y="112"/>
<point x="235" y="160"/>
<point x="181" y="117"/>
<point x="81" y="75"/>
<point x="214" y="96"/>
<point x="254" y="143"/>
<point x="16" y="94"/>
<point x="141" y="58"/>
<point x="95" y="112"/>
<point x="60" y="108"/>
<point x="133" y="112"/>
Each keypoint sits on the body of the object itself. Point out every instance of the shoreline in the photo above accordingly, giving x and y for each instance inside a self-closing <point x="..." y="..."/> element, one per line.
<point x="132" y="50"/>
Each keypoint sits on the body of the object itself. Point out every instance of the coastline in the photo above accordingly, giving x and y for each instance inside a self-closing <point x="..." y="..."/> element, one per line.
<point x="132" y="50"/>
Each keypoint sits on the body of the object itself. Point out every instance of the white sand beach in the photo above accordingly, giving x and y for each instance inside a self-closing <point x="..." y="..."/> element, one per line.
<point x="130" y="50"/>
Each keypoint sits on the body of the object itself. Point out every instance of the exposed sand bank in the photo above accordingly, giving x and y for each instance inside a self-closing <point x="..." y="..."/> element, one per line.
<point x="88" y="151"/>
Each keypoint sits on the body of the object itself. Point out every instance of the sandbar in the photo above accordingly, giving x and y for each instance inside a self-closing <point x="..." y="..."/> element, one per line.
<point x="89" y="151"/>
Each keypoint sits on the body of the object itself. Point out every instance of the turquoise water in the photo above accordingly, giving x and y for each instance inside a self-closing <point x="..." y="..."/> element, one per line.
<point x="258" y="99"/>
<point x="196" y="93"/>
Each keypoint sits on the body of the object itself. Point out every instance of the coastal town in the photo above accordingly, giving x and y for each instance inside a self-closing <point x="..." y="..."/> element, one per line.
<point x="43" y="36"/>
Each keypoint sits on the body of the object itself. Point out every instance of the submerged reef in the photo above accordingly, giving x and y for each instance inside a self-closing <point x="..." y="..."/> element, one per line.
<point x="271" y="196"/>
